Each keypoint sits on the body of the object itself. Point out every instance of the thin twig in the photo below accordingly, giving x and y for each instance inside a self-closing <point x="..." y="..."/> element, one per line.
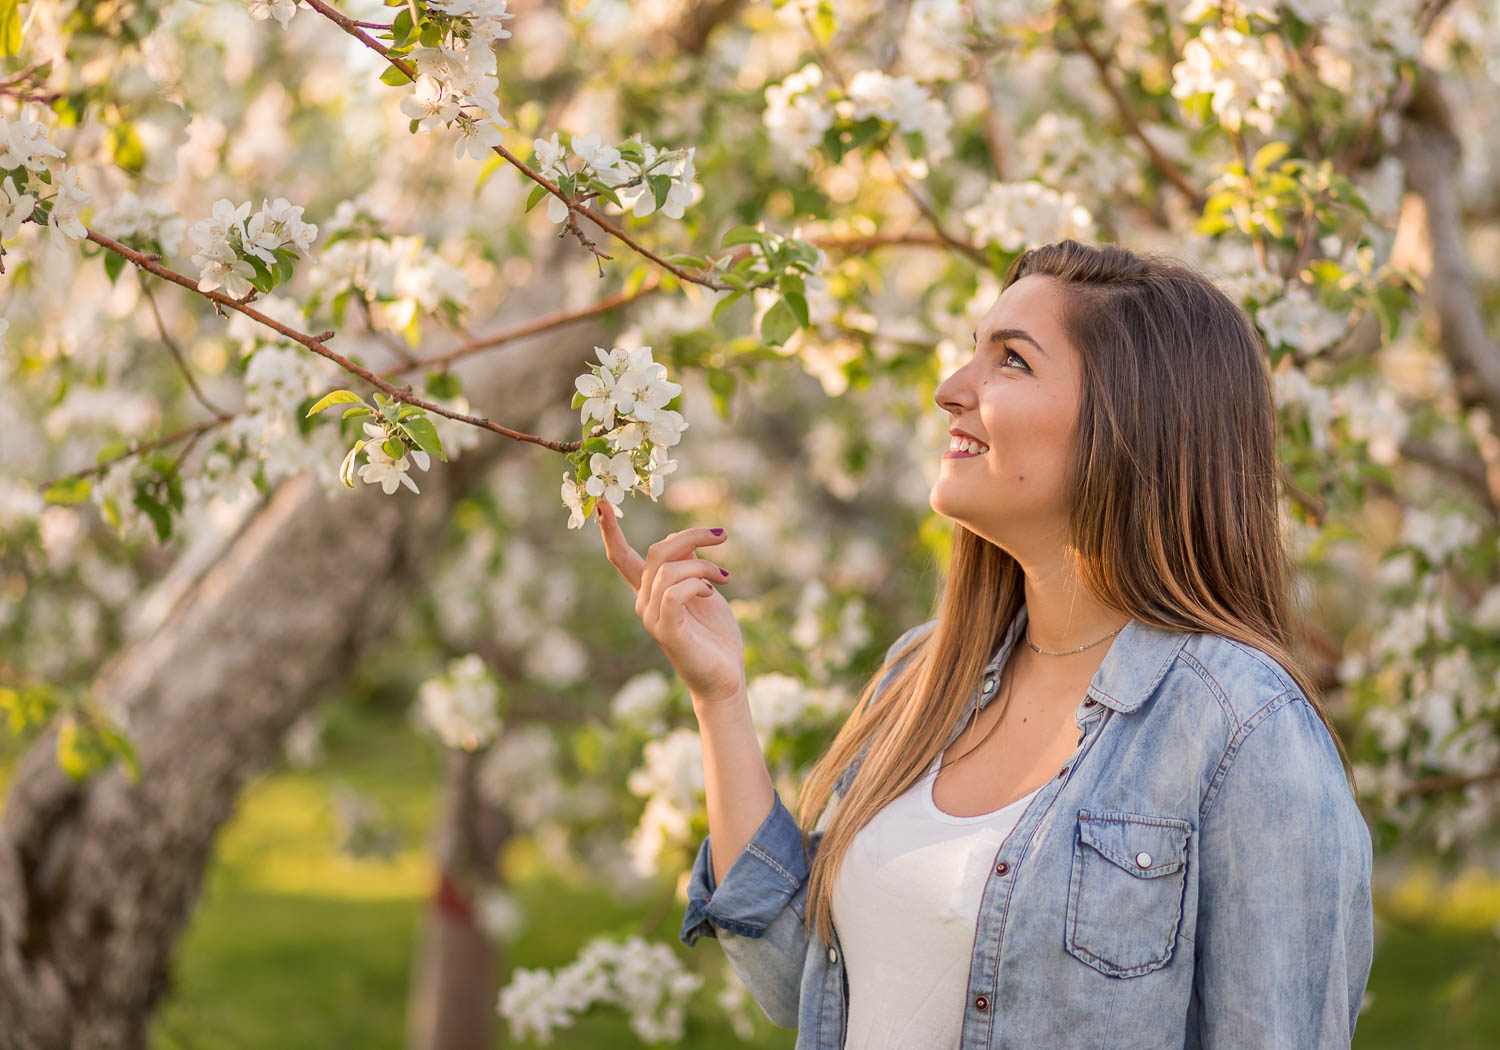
<point x="1122" y="105"/>
<point x="1432" y="785"/>
<point x="166" y="337"/>
<point x="315" y="344"/>
<point x="597" y="219"/>
<point x="973" y="251"/>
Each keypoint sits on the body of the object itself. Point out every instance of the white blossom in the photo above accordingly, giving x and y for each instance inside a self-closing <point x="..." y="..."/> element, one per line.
<point x="1299" y="320"/>
<point x="461" y="705"/>
<point x="477" y="138"/>
<point x="1017" y="214"/>
<point x="281" y="10"/>
<point x="1240" y="75"/>
<point x="66" y="205"/>
<point x="429" y="104"/>
<point x="610" y="476"/>
<point x="23" y="143"/>
<point x="15" y="208"/>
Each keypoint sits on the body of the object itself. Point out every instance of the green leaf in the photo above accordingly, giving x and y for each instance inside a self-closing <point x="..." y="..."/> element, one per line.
<point x="1268" y="155"/>
<point x="578" y="399"/>
<point x="444" y="384"/>
<point x="798" y="304"/>
<point x="283" y="269"/>
<point x="823" y="23"/>
<point x="394" y="77"/>
<point x="660" y="185"/>
<point x="393" y="448"/>
<point x="160" y="516"/>
<point x="338" y="397"/>
<point x="126" y="148"/>
<point x="742" y="235"/>
<point x="425" y="435"/>
<point x="685" y="260"/>
<point x="68" y="490"/>
<point x="114" y="265"/>
<point x="355" y="411"/>
<point x="723" y="305"/>
<point x="431" y="35"/>
<point x="536" y="194"/>
<point x="777" y="326"/>
<point x="10" y="27"/>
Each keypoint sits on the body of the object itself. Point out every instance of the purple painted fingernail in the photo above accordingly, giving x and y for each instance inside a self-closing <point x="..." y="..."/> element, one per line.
<point x="724" y="571"/>
<point x="717" y="532"/>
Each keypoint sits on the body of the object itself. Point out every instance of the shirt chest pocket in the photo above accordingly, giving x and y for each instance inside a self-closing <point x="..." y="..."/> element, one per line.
<point x="1126" y="891"/>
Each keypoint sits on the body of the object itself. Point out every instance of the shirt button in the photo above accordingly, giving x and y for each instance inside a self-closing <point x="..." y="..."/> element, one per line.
<point x="1143" y="859"/>
<point x="1001" y="868"/>
<point x="1063" y="773"/>
<point x="1090" y="702"/>
<point x="833" y="956"/>
<point x="982" y="1003"/>
<point x="989" y="681"/>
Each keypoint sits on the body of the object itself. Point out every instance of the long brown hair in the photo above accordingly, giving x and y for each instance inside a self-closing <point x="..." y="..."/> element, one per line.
<point x="1173" y="519"/>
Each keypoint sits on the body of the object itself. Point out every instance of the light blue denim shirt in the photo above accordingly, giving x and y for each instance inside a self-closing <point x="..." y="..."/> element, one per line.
<point x="1197" y="874"/>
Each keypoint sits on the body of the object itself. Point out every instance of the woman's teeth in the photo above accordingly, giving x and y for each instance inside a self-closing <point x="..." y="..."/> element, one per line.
<point x="965" y="445"/>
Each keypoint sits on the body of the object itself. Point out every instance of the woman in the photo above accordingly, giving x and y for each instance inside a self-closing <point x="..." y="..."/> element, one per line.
<point x="1151" y="840"/>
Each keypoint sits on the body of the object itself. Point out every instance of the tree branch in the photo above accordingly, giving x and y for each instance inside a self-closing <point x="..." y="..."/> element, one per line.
<point x="1123" y="107"/>
<point x="347" y="24"/>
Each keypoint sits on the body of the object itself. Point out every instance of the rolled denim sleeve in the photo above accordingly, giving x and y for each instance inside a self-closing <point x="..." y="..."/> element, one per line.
<point x="1285" y="929"/>
<point x="758" y="912"/>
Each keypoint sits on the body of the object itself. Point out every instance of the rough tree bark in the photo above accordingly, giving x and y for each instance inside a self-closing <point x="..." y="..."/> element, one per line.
<point x="98" y="880"/>
<point x="455" y="977"/>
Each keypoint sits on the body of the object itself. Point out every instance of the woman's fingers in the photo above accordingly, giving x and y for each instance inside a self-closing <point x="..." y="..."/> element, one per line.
<point x="669" y="576"/>
<point x="673" y="548"/>
<point x="616" y="547"/>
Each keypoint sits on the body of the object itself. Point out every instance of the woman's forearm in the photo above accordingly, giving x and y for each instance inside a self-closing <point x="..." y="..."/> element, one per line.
<point x="737" y="783"/>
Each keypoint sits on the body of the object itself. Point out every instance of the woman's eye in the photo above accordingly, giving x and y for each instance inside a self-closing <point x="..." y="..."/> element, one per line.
<point x="1009" y="353"/>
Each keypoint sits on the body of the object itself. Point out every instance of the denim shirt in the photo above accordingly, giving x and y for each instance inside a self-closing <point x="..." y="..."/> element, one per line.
<point x="1197" y="874"/>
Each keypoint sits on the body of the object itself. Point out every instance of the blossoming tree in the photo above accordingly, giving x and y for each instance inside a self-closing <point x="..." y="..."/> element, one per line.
<point x="768" y="230"/>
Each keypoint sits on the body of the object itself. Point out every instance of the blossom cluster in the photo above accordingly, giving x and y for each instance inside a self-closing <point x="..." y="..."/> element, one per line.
<point x="627" y="394"/>
<point x="1017" y="214"/>
<point x="27" y="169"/>
<point x="640" y="176"/>
<point x="457" y="79"/>
<point x="1299" y="320"/>
<point x="134" y="218"/>
<point x="461" y="705"/>
<point x="797" y="116"/>
<point x="671" y="781"/>
<point x="1239" y="74"/>
<point x="230" y="238"/>
<point x="637" y="975"/>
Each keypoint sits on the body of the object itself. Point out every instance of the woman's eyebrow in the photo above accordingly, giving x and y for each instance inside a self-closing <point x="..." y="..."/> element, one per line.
<point x="1000" y="335"/>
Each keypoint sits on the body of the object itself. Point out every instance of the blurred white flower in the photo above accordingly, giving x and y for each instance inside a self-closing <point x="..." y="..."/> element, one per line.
<point x="462" y="705"/>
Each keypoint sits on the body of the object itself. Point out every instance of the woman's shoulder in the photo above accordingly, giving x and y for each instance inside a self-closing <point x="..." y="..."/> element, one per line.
<point x="1246" y="682"/>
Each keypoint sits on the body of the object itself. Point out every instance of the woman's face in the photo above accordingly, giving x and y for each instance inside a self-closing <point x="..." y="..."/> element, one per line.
<point x="1019" y="396"/>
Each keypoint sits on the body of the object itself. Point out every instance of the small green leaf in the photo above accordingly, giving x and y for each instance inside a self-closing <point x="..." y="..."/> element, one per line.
<point x="355" y="411"/>
<point x="394" y="77"/>
<point x="742" y="235"/>
<point x="443" y="384"/>
<point x="426" y="436"/>
<point x="536" y="194"/>
<point x="114" y="265"/>
<point x="431" y="35"/>
<point x="68" y="490"/>
<point x="660" y="185"/>
<point x="798" y="304"/>
<point x="338" y="397"/>
<point x="778" y="324"/>
<point x="1268" y="155"/>
<point x="10" y="27"/>
<point x="578" y="399"/>
<point x="724" y="304"/>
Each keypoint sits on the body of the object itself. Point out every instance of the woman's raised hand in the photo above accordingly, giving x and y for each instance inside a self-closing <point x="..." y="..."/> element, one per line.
<point x="679" y="605"/>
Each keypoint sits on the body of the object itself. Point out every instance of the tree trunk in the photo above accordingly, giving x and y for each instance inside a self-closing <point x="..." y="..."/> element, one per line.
<point x="455" y="979"/>
<point x="97" y="880"/>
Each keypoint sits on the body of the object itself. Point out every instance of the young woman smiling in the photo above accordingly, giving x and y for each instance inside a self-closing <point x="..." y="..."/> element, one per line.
<point x="1151" y="840"/>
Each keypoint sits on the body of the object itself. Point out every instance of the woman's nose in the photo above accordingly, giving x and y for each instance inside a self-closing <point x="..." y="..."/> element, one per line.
<point x="953" y="394"/>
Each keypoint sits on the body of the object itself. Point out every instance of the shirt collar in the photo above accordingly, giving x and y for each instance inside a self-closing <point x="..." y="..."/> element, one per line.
<point x="1131" y="670"/>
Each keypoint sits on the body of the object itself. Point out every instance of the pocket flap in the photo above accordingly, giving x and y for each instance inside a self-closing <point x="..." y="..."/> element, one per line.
<point x="1146" y="846"/>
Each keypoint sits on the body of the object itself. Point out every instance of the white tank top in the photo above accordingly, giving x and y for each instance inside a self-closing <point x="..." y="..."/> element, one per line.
<point x="906" y="905"/>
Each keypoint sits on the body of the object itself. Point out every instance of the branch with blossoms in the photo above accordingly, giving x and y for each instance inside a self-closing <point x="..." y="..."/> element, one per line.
<point x="431" y="70"/>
